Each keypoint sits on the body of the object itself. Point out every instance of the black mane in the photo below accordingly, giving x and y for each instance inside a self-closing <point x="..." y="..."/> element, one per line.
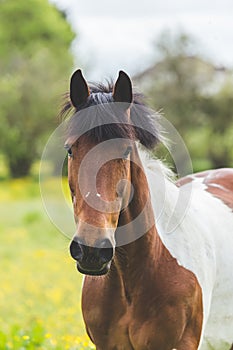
<point x="106" y="120"/>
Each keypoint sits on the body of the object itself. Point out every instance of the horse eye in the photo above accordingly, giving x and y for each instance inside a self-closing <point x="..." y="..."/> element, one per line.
<point x="72" y="192"/>
<point x="127" y="152"/>
<point x="69" y="151"/>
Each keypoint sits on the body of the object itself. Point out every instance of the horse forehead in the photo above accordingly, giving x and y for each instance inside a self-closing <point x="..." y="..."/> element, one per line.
<point x="218" y="182"/>
<point x="98" y="165"/>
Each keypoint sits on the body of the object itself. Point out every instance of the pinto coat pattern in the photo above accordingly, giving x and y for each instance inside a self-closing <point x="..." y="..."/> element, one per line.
<point x="166" y="288"/>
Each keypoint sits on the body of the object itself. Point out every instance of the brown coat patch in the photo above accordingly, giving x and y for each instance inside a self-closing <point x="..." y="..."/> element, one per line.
<point x="218" y="182"/>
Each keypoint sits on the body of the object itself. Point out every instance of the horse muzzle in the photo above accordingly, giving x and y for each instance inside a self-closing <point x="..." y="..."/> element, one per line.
<point x="94" y="261"/>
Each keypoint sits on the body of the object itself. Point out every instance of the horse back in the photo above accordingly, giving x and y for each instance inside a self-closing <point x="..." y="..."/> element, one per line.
<point x="218" y="182"/>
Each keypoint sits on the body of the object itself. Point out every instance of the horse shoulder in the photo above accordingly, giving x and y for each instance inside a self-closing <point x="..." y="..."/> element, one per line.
<point x="170" y="310"/>
<point x="103" y="307"/>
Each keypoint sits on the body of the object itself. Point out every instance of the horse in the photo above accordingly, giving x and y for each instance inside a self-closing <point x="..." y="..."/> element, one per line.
<point x="144" y="287"/>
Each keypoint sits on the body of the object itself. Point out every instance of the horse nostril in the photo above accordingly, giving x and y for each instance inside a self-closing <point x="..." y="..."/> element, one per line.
<point x="76" y="250"/>
<point x="105" y="250"/>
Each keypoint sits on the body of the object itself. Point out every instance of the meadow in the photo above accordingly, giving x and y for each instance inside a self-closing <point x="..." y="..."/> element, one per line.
<point x="40" y="289"/>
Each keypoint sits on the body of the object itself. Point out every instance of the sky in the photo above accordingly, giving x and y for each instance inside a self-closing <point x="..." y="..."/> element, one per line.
<point x="114" y="35"/>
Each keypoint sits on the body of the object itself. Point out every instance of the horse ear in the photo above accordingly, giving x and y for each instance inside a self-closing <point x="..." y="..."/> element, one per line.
<point x="79" y="90"/>
<point x="122" y="91"/>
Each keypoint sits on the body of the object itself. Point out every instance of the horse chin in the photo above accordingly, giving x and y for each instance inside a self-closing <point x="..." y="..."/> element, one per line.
<point x="95" y="272"/>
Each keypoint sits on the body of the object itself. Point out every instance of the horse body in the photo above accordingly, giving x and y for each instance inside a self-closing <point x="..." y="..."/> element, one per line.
<point x="213" y="201"/>
<point x="195" y="246"/>
<point x="203" y="243"/>
<point x="166" y="281"/>
<point x="153" y="305"/>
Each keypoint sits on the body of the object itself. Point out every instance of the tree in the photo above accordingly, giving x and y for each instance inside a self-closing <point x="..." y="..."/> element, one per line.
<point x="35" y="39"/>
<point x="195" y="96"/>
<point x="219" y="129"/>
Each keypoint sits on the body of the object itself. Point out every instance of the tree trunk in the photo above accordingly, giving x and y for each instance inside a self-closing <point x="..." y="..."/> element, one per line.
<point x="219" y="160"/>
<point x="19" y="167"/>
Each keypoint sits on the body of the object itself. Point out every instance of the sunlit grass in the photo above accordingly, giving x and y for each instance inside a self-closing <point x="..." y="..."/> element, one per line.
<point x="40" y="289"/>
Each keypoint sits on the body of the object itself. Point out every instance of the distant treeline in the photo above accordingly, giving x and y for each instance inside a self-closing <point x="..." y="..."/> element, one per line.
<point x="195" y="96"/>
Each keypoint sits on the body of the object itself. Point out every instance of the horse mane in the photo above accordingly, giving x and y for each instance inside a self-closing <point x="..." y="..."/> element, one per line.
<point x="157" y="166"/>
<point x="106" y="120"/>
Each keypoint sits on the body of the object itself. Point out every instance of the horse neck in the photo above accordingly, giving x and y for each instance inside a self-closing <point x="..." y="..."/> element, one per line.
<point x="132" y="259"/>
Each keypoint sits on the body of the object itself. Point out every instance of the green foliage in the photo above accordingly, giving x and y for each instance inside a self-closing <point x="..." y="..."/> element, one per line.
<point x="28" y="26"/>
<point x="196" y="97"/>
<point x="34" y="45"/>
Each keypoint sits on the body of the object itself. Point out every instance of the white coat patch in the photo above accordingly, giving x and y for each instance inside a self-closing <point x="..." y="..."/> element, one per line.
<point x="202" y="243"/>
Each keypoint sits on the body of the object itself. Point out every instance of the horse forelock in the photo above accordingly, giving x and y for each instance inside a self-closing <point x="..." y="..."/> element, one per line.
<point x="105" y="120"/>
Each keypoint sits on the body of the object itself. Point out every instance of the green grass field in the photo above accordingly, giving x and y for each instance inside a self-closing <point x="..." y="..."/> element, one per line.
<point x="40" y="289"/>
